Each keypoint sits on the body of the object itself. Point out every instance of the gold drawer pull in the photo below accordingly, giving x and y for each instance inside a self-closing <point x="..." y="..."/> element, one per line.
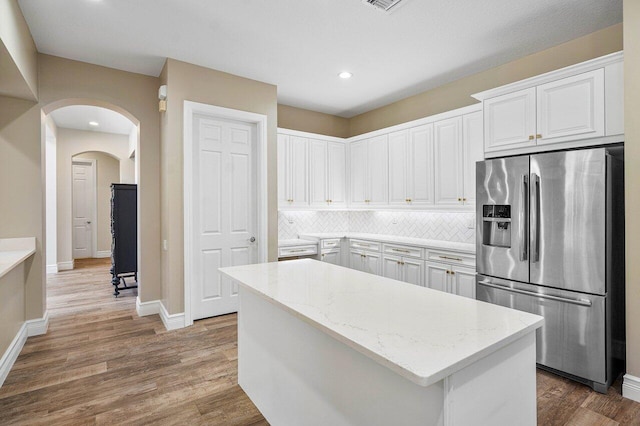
<point x="531" y="137"/>
<point x="296" y="251"/>
<point x="538" y="136"/>
<point x="450" y="258"/>
<point x="401" y="251"/>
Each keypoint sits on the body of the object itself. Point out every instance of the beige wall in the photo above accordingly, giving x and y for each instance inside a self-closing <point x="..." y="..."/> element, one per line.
<point x="70" y="143"/>
<point x="107" y="172"/>
<point x="22" y="189"/>
<point x="632" y="180"/>
<point x="12" y="314"/>
<point x="458" y="93"/>
<point x="18" y="55"/>
<point x="311" y="121"/>
<point x="65" y="82"/>
<point x="189" y="82"/>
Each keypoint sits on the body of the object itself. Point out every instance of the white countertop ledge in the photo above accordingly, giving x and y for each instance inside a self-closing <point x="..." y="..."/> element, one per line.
<point x="296" y="242"/>
<point x="14" y="251"/>
<point x="394" y="239"/>
<point x="422" y="334"/>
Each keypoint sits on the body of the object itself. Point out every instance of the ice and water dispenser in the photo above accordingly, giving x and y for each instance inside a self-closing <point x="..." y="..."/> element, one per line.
<point x="496" y="225"/>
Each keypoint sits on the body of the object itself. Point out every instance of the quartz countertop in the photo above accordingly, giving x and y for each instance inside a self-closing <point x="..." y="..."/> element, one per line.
<point x="296" y="242"/>
<point x="14" y="251"/>
<point x="420" y="242"/>
<point x="422" y="334"/>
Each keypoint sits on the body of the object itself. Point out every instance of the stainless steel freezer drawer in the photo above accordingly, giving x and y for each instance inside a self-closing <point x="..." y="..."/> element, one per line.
<point x="573" y="338"/>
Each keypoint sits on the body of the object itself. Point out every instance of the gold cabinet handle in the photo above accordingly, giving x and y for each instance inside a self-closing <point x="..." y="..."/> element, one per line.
<point x="453" y="273"/>
<point x="398" y="262"/>
<point x="448" y="272"/>
<point x="459" y="199"/>
<point x="450" y="258"/>
<point x="531" y="137"/>
<point x="538" y="136"/>
<point x="401" y="250"/>
<point x="402" y="263"/>
<point x="464" y="199"/>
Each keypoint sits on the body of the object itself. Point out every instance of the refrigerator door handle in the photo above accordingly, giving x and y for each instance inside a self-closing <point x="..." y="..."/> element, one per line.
<point x="581" y="302"/>
<point x="535" y="219"/>
<point x="524" y="252"/>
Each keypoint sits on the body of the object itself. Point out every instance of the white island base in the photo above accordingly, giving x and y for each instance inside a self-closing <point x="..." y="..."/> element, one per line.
<point x="299" y="370"/>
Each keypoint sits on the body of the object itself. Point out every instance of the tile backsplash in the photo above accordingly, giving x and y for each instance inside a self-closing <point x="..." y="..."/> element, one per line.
<point x="446" y="226"/>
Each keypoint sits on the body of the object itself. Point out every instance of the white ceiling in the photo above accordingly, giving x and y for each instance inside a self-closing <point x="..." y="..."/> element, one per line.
<point x="301" y="45"/>
<point x="79" y="116"/>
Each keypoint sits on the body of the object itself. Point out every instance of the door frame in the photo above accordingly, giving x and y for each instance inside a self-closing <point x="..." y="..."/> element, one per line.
<point x="190" y="109"/>
<point x="94" y="212"/>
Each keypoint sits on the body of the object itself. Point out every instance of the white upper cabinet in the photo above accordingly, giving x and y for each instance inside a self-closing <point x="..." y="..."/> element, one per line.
<point x="576" y="106"/>
<point x="472" y="150"/>
<point x="510" y="120"/>
<point x="292" y="171"/>
<point x="571" y="108"/>
<point x="448" y="161"/>
<point x="369" y="172"/>
<point x="411" y="166"/>
<point x="327" y="173"/>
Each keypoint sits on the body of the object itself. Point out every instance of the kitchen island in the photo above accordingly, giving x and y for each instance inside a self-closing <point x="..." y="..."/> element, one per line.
<point x="321" y="344"/>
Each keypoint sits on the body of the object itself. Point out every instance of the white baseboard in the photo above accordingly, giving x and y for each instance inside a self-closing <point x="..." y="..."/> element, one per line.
<point x="171" y="321"/>
<point x="37" y="327"/>
<point x="33" y="327"/>
<point x="147" y="308"/>
<point x="52" y="269"/>
<point x="66" y="266"/>
<point x="631" y="387"/>
<point x="103" y="253"/>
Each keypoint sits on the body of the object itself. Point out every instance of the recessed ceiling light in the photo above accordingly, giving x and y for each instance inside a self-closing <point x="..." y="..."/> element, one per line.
<point x="345" y="74"/>
<point x="93" y="123"/>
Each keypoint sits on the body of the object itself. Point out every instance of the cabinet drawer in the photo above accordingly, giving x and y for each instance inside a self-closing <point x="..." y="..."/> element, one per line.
<point x="332" y="243"/>
<point x="399" y="250"/>
<point x="451" y="257"/>
<point x="297" y="251"/>
<point x="365" y="245"/>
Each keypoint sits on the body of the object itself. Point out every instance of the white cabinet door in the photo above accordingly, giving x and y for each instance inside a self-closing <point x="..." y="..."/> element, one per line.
<point x="377" y="170"/>
<point x="332" y="256"/>
<point x="473" y="151"/>
<point x="392" y="267"/>
<point x="337" y="174"/>
<point x="398" y="161"/>
<point x="464" y="282"/>
<point x="356" y="260"/>
<point x="318" y="173"/>
<point x="358" y="172"/>
<point x="420" y="165"/>
<point x="436" y="276"/>
<point x="614" y="99"/>
<point x="284" y="189"/>
<point x="448" y="161"/>
<point x="299" y="149"/>
<point x="571" y="108"/>
<point x="371" y="263"/>
<point x="412" y="271"/>
<point x="510" y="120"/>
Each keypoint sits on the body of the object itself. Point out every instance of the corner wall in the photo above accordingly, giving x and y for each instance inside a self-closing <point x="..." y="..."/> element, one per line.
<point x="305" y="120"/>
<point x="194" y="83"/>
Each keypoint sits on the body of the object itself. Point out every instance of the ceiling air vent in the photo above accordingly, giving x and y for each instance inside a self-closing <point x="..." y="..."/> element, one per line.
<point x="386" y="5"/>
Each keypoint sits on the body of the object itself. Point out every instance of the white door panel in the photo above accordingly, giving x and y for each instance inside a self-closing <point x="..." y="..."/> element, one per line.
<point x="412" y="271"/>
<point x="378" y="167"/>
<point x="464" y="282"/>
<point x="284" y="189"/>
<point x="337" y="174"/>
<point x="318" y="173"/>
<point x="224" y="210"/>
<point x="398" y="161"/>
<point x="448" y="161"/>
<point x="83" y="208"/>
<point x="420" y="165"/>
<point x="436" y="276"/>
<point x="299" y="165"/>
<point x="358" y="168"/>
<point x="392" y="267"/>
<point x="510" y="120"/>
<point x="473" y="151"/>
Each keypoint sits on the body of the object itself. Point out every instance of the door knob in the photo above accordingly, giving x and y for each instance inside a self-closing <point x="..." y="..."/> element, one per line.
<point x="252" y="239"/>
<point x="88" y="222"/>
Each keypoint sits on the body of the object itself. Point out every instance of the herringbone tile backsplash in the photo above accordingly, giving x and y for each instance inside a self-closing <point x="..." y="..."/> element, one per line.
<point x="445" y="226"/>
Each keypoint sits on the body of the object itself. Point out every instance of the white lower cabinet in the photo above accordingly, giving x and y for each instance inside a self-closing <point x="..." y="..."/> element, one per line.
<point x="402" y="269"/>
<point x="331" y="256"/>
<point x="365" y="261"/>
<point x="452" y="279"/>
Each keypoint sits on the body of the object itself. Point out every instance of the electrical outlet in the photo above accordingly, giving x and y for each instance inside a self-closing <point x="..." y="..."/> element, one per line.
<point x="164" y="245"/>
<point x="471" y="224"/>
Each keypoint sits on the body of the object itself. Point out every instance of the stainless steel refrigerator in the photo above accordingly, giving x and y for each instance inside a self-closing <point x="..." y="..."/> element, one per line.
<point x="550" y="241"/>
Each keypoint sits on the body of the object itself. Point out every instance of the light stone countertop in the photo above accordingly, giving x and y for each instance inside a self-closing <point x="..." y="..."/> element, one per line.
<point x="422" y="334"/>
<point x="296" y="242"/>
<point x="393" y="239"/>
<point x="14" y="251"/>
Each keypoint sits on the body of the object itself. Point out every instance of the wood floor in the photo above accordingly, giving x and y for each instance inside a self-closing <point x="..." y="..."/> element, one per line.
<point x="102" y="364"/>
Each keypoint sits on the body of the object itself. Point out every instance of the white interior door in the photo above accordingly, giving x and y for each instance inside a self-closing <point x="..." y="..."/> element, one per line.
<point x="224" y="210"/>
<point x="83" y="208"/>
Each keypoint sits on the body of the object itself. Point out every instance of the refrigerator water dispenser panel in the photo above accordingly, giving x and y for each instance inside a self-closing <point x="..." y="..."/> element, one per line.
<point x="496" y="224"/>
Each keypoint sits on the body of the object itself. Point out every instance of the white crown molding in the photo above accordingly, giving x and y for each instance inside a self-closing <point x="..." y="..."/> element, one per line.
<point x="569" y="71"/>
<point x="147" y="308"/>
<point x="52" y="269"/>
<point x="631" y="387"/>
<point x="66" y="266"/>
<point x="290" y="132"/>
<point x="171" y="321"/>
<point x="103" y="253"/>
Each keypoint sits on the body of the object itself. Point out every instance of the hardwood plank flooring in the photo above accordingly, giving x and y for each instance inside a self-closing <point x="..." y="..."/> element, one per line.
<point x="101" y="364"/>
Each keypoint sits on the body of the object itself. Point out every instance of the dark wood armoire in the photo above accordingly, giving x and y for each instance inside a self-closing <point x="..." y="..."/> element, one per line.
<point x="124" y="235"/>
